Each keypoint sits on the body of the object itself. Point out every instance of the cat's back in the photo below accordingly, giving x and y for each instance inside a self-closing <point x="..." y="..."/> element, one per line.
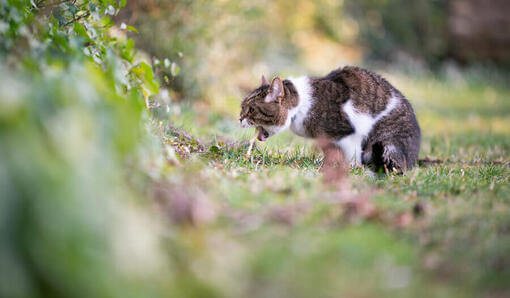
<point x="369" y="92"/>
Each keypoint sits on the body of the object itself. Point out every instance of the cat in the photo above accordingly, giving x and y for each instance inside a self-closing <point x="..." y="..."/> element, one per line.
<point x="361" y="112"/>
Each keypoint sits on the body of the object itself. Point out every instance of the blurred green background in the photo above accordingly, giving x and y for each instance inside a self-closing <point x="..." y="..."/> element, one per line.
<point x="124" y="172"/>
<point x="227" y="44"/>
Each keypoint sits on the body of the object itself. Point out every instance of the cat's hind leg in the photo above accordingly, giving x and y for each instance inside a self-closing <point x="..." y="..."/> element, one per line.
<point x="385" y="156"/>
<point x="393" y="158"/>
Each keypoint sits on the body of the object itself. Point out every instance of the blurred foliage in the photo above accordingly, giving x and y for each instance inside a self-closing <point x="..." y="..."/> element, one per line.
<point x="210" y="38"/>
<point x="72" y="99"/>
<point x="389" y="28"/>
<point x="225" y="44"/>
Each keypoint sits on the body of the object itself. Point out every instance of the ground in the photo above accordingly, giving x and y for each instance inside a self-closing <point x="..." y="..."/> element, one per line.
<point x="275" y="223"/>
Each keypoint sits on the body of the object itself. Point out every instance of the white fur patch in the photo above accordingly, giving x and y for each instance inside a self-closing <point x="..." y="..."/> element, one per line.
<point x="297" y="115"/>
<point x="351" y="146"/>
<point x="362" y="124"/>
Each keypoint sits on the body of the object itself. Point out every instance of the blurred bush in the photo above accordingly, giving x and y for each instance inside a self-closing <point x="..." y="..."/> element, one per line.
<point x="391" y="28"/>
<point x="479" y="30"/>
<point x="211" y="39"/>
<point x="73" y="146"/>
<point x="468" y="31"/>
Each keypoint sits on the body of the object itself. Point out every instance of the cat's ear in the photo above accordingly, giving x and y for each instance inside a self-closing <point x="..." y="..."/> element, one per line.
<point x="264" y="81"/>
<point x="276" y="91"/>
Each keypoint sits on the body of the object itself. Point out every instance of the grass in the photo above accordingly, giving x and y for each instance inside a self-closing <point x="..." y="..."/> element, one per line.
<point x="278" y="230"/>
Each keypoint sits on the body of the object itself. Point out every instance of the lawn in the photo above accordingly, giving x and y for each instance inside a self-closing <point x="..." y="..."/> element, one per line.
<point x="273" y="223"/>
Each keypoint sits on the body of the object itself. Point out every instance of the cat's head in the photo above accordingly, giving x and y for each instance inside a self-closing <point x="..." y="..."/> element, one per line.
<point x="263" y="109"/>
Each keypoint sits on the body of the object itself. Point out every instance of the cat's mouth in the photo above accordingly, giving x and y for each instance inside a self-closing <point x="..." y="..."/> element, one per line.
<point x="263" y="134"/>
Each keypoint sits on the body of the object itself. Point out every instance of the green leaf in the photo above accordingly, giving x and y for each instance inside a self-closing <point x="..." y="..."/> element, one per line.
<point x="150" y="85"/>
<point x="80" y="30"/>
<point x="123" y="26"/>
<point x="58" y="14"/>
<point x="72" y="8"/>
<point x="128" y="52"/>
<point x="131" y="28"/>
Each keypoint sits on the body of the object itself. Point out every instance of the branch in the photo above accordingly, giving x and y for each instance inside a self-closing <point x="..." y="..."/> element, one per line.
<point x="77" y="18"/>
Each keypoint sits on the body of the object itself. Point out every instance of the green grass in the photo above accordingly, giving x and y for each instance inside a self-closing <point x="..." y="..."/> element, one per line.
<point x="439" y="230"/>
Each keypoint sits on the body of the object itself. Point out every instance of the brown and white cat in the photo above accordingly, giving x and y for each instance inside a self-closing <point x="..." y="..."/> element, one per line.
<point x="369" y="119"/>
